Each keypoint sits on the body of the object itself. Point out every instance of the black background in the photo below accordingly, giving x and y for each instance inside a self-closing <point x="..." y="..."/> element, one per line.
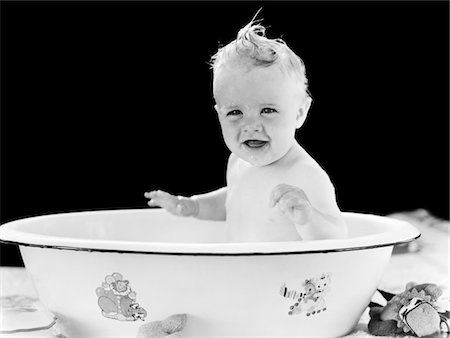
<point x="103" y="101"/>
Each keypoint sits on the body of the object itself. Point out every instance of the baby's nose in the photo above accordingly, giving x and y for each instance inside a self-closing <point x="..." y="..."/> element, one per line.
<point x="252" y="126"/>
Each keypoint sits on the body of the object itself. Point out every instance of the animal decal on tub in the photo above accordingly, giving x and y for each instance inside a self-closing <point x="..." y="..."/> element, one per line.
<point x="117" y="300"/>
<point x="310" y="298"/>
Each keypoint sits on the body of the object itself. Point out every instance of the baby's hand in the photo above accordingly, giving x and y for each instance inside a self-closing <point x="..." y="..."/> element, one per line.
<point x="292" y="202"/>
<point x="177" y="205"/>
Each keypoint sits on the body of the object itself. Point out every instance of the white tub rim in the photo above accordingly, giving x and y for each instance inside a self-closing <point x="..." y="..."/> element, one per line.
<point x="402" y="232"/>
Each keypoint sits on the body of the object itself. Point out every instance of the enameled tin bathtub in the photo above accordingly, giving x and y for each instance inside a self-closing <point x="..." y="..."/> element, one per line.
<point x="106" y="273"/>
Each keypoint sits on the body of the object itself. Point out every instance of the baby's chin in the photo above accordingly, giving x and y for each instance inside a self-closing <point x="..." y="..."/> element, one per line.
<point x="261" y="159"/>
<point x="258" y="160"/>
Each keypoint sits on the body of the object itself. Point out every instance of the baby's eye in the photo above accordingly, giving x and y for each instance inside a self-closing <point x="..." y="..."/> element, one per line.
<point x="234" y="114"/>
<point x="268" y="111"/>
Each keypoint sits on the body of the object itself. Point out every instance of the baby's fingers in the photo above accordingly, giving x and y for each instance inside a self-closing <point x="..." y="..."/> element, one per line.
<point x="296" y="206"/>
<point x="293" y="201"/>
<point x="278" y="192"/>
<point x="152" y="203"/>
<point x="156" y="194"/>
<point x="159" y="198"/>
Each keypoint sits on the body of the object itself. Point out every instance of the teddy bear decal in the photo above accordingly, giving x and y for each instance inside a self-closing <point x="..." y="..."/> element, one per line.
<point x="117" y="300"/>
<point x="310" y="298"/>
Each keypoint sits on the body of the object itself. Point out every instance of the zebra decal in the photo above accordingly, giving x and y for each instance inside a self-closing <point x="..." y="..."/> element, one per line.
<point x="309" y="299"/>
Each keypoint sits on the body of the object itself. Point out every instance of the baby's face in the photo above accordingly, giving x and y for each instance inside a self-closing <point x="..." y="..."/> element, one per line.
<point x="259" y="111"/>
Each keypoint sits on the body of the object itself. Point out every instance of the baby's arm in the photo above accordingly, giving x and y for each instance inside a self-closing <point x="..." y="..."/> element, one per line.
<point x="313" y="210"/>
<point x="209" y="206"/>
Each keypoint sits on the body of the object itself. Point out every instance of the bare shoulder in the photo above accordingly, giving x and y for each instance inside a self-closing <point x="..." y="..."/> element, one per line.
<point x="302" y="167"/>
<point x="310" y="175"/>
<point x="305" y="173"/>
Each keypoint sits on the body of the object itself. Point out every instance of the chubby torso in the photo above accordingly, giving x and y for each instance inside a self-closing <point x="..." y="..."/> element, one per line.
<point x="249" y="216"/>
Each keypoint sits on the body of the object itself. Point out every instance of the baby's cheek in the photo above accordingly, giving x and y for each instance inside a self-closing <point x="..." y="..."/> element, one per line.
<point x="284" y="130"/>
<point x="228" y="136"/>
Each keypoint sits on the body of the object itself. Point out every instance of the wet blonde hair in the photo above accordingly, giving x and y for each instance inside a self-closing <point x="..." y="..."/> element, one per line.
<point x="253" y="49"/>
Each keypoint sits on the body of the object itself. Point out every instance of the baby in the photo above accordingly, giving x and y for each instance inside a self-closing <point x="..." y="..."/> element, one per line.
<point x="275" y="190"/>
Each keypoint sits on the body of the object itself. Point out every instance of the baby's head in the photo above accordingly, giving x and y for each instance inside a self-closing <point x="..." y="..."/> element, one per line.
<point x="253" y="49"/>
<point x="261" y="95"/>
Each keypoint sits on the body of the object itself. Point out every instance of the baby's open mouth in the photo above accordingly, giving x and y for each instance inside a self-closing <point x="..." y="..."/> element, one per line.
<point x="255" y="143"/>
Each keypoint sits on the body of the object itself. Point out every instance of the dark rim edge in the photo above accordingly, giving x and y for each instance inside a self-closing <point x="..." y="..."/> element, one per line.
<point x="57" y="247"/>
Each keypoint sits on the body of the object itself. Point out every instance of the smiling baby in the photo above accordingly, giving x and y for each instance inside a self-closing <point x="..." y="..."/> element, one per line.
<point x="275" y="190"/>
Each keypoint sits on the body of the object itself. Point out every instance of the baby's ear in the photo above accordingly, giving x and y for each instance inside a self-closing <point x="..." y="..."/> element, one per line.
<point x="303" y="111"/>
